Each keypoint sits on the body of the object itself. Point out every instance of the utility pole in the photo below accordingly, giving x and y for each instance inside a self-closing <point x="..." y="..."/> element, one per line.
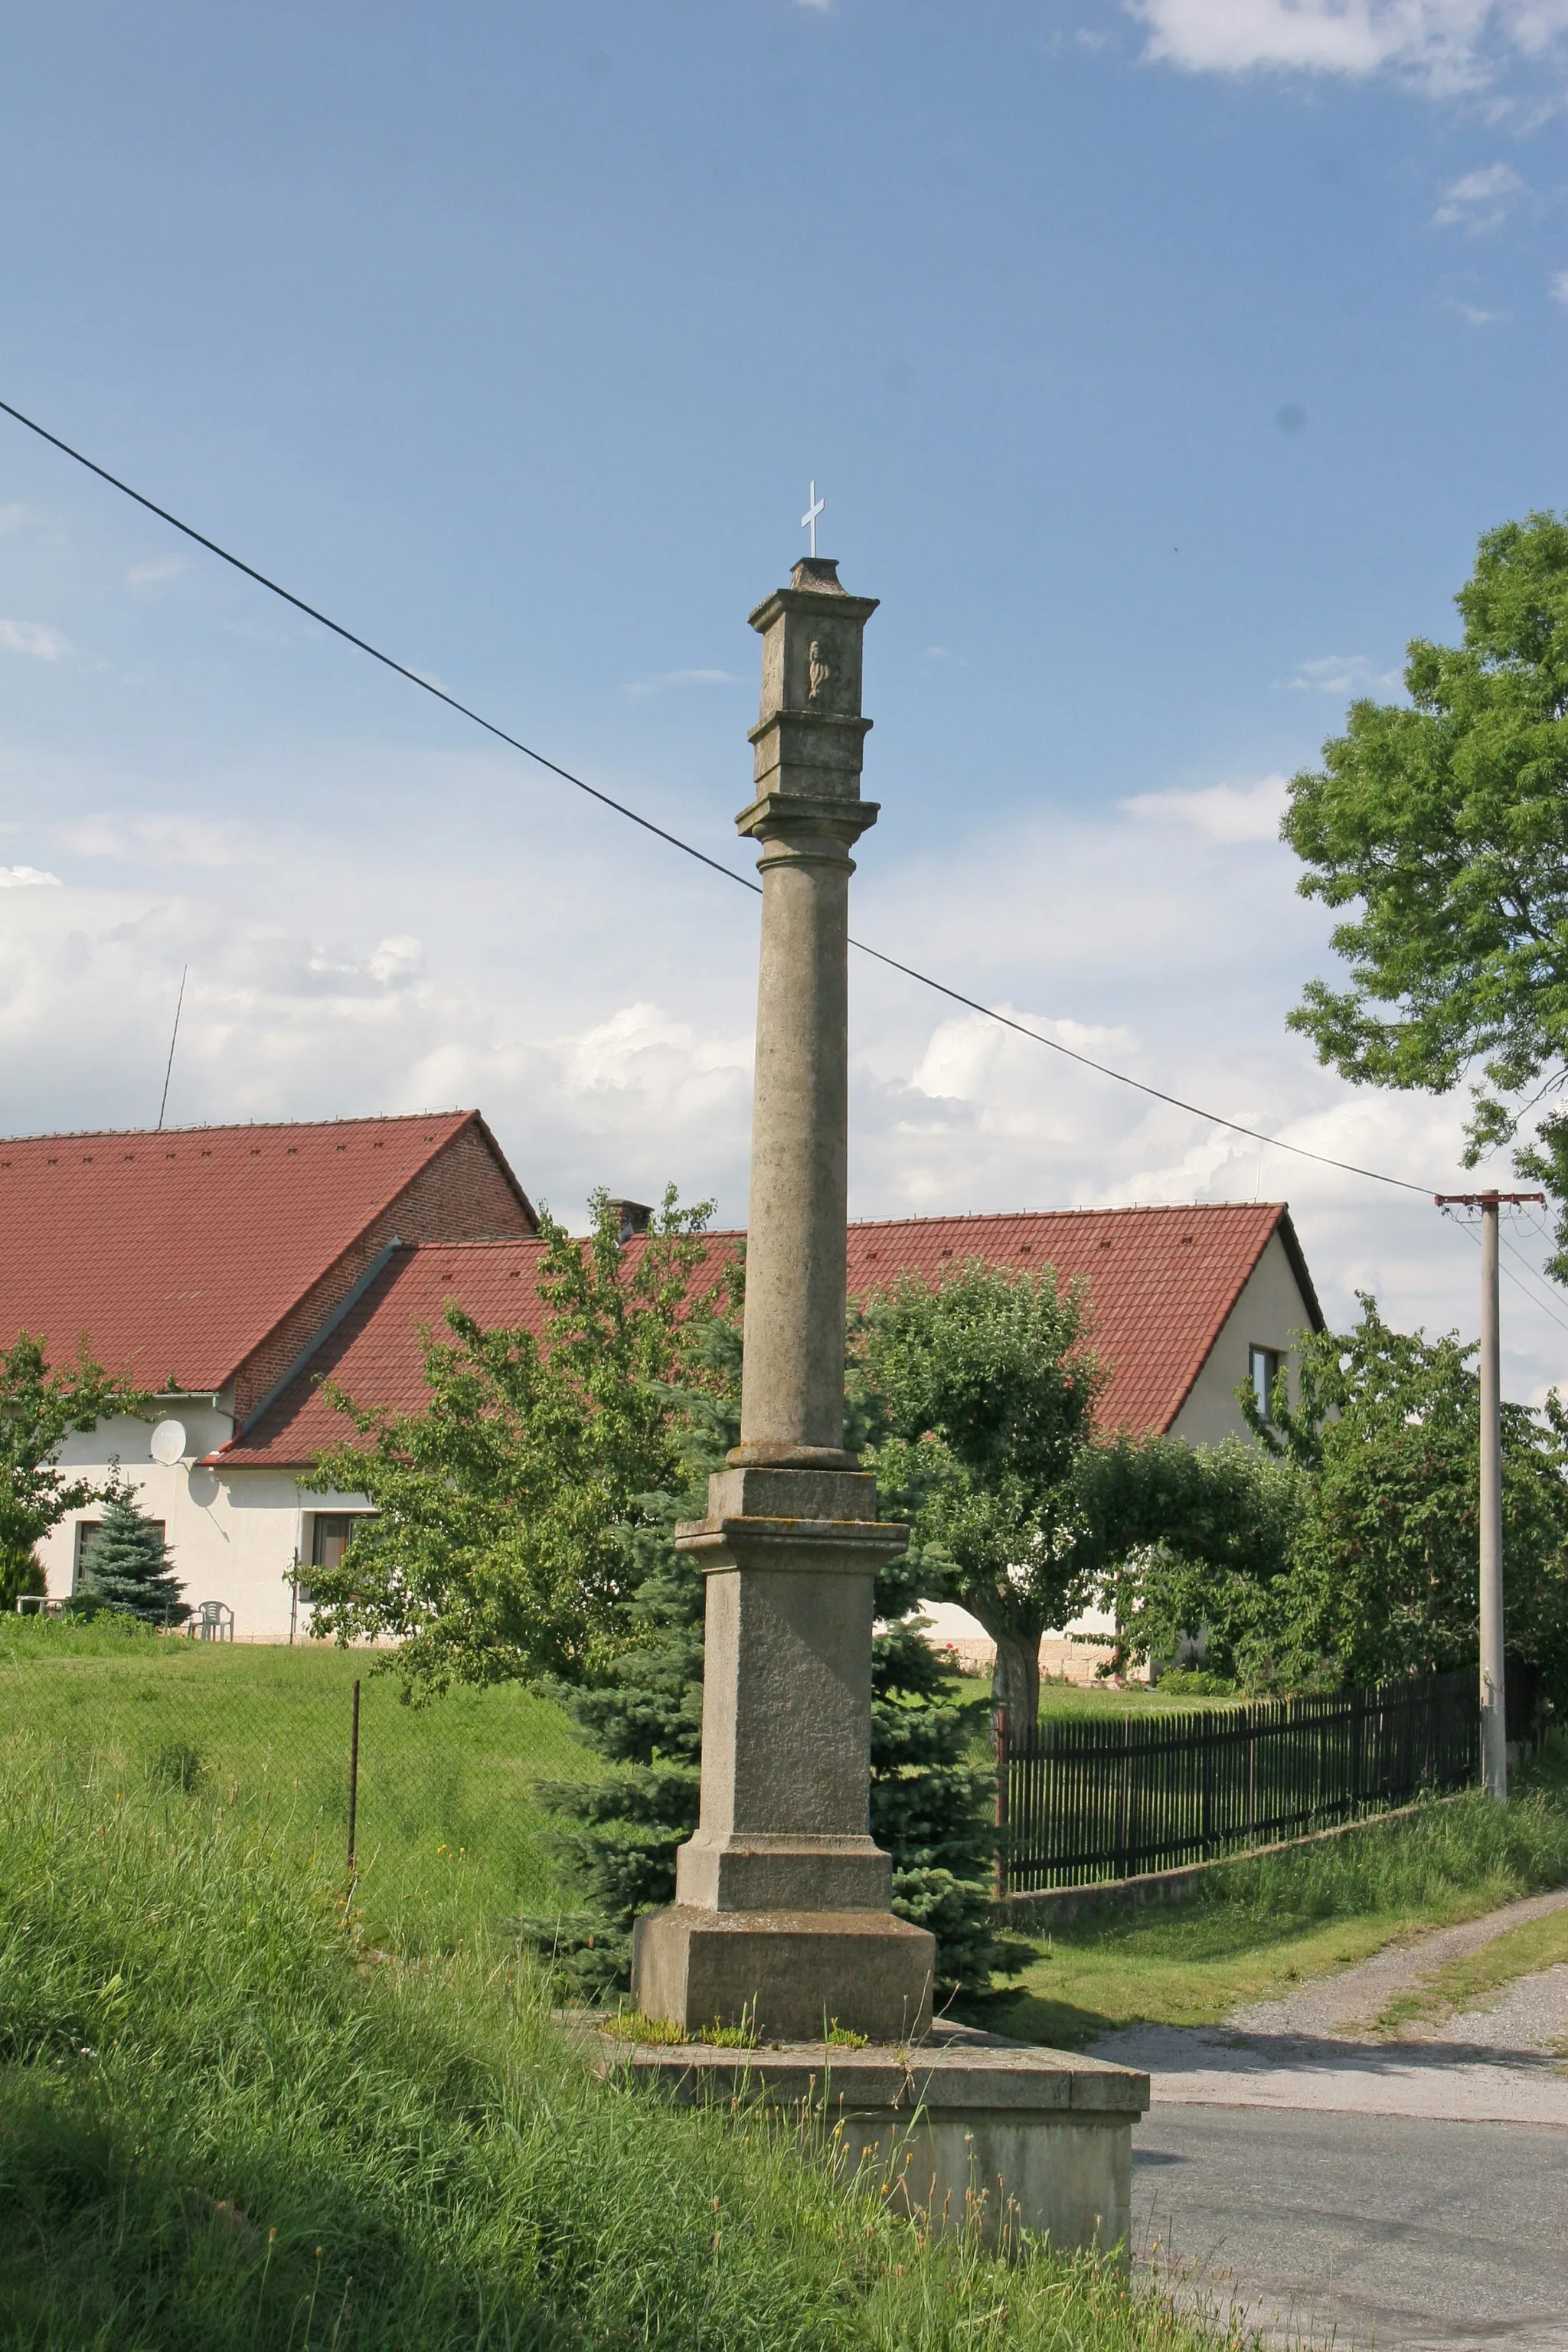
<point x="1494" y="1711"/>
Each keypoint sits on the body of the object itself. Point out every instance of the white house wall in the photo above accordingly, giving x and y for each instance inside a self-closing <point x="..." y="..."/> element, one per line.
<point x="1269" y="1313"/>
<point x="233" y="1534"/>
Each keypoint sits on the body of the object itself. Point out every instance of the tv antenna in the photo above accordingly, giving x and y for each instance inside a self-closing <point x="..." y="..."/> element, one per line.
<point x="169" y="1065"/>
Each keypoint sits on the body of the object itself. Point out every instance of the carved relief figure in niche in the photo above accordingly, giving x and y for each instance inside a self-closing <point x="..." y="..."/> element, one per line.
<point x="818" y="670"/>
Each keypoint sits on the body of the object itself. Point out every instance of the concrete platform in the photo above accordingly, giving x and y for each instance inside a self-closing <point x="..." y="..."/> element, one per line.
<point x="973" y="2130"/>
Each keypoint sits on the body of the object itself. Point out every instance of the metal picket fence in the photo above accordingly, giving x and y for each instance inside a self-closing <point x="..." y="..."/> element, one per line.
<point x="1110" y="1797"/>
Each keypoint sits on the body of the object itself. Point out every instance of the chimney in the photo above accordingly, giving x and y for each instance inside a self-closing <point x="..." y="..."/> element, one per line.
<point x="631" y="1218"/>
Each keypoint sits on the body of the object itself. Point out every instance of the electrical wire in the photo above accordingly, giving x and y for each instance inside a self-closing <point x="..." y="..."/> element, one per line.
<point x="1536" y="1277"/>
<point x="1466" y="1226"/>
<point x="674" y="841"/>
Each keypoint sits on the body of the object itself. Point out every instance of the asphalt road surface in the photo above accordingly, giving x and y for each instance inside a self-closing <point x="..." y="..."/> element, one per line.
<point x="1395" y="2230"/>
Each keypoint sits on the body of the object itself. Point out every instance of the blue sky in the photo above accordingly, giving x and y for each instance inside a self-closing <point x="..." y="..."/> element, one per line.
<point x="1161" y="366"/>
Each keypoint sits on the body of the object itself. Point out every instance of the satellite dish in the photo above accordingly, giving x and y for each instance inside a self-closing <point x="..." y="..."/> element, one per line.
<point x="167" y="1442"/>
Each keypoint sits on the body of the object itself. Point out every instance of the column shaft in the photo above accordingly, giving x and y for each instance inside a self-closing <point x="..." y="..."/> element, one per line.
<point x="794" y="1389"/>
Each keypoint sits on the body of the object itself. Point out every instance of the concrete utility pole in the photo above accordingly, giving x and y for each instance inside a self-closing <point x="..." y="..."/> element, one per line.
<point x="1494" y="1710"/>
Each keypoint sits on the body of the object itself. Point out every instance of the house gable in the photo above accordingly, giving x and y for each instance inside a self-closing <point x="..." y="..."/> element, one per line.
<point x="464" y="1193"/>
<point x="181" y="1255"/>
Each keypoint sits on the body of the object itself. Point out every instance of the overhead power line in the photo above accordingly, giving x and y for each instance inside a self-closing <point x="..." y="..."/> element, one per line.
<point x="688" y="849"/>
<point x="1466" y="1226"/>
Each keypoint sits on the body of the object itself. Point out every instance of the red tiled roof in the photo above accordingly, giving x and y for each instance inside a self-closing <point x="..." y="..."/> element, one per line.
<point x="176" y="1253"/>
<point x="1161" y="1282"/>
<point x="374" y="1356"/>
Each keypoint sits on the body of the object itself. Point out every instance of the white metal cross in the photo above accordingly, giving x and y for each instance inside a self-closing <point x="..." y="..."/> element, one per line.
<point x="808" y="519"/>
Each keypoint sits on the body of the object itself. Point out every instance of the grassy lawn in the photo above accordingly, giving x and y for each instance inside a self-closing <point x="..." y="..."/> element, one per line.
<point x="449" y="1832"/>
<point x="1262" y="1925"/>
<point x="1137" y="1698"/>
<point x="224" y="2124"/>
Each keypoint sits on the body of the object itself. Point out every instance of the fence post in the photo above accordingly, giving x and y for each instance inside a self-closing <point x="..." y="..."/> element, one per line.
<point x="1003" y="1761"/>
<point x="353" y="1774"/>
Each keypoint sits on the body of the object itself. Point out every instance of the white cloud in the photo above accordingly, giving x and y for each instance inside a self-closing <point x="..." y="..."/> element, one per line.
<point x="1342" y="674"/>
<point x="1480" y="200"/>
<point x="1222" y="812"/>
<point x="1558" y="286"/>
<point x="33" y="637"/>
<point x="26" y="878"/>
<point x="606" y="1033"/>
<point x="673" y="681"/>
<point x="1447" y="46"/>
<point x="397" y="959"/>
<point x="1473" y="317"/>
<point x="162" y="568"/>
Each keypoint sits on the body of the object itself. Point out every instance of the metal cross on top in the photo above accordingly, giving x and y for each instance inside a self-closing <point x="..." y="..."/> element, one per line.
<point x="808" y="519"/>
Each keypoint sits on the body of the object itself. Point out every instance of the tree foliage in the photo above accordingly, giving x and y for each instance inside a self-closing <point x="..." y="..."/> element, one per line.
<point x="129" y="1568"/>
<point x="988" y="1389"/>
<point x="508" y="1510"/>
<point x="1024" y="1511"/>
<point x="40" y="1406"/>
<point x="1446" y="824"/>
<point x="1362" y="1561"/>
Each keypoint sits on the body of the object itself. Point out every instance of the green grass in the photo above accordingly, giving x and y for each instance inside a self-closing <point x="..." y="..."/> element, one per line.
<point x="224" y="2128"/>
<point x="1101" y="1698"/>
<point x="1263" y="1924"/>
<point x="448" y="1835"/>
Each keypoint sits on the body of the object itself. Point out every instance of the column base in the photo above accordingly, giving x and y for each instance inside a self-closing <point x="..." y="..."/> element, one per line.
<point x="977" y="2135"/>
<point x="787" y="1975"/>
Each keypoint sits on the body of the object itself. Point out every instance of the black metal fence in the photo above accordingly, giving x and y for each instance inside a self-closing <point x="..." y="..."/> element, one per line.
<point x="1107" y="1797"/>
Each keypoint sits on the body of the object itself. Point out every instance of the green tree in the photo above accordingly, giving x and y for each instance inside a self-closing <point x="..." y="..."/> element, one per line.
<point x="1192" y="1539"/>
<point x="989" y="1391"/>
<point x="129" y="1568"/>
<point x="507" y="1512"/>
<point x="1384" y="1444"/>
<point x="40" y="1406"/>
<point x="1445" y="824"/>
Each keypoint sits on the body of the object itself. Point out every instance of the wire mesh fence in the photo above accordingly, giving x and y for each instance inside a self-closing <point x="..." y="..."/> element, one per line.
<point x="1106" y="1798"/>
<point x="449" y="1837"/>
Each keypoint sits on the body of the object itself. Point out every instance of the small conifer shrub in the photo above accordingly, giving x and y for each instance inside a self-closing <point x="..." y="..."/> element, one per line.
<point x="129" y="1568"/>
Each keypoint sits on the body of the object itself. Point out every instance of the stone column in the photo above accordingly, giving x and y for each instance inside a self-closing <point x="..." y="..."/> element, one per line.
<point x="782" y="1915"/>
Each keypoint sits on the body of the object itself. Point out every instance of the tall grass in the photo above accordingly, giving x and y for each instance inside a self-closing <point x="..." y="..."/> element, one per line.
<point x="450" y="1839"/>
<point x="1467" y="1850"/>
<point x="223" y="2124"/>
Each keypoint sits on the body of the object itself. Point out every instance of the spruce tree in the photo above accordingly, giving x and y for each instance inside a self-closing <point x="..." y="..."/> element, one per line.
<point x="129" y="1568"/>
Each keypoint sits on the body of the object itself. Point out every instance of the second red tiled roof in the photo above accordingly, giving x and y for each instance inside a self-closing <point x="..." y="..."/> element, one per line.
<point x="1161" y="1284"/>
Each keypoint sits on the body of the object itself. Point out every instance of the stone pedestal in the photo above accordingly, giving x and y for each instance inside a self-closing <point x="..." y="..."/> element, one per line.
<point x="971" y="2131"/>
<point x="782" y="1916"/>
